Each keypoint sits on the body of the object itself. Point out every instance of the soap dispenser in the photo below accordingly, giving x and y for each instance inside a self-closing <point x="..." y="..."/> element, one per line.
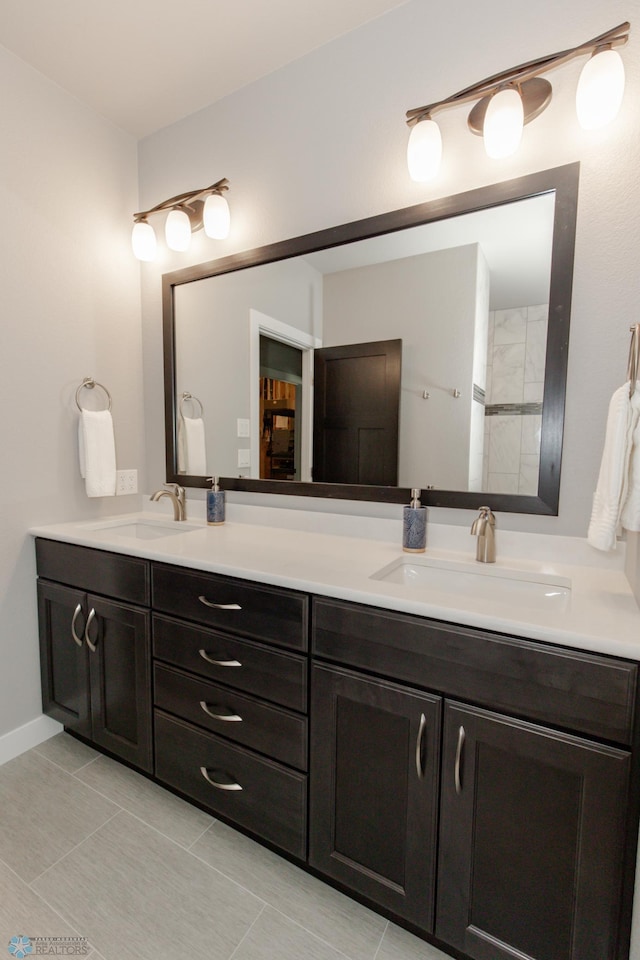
<point x="215" y="503"/>
<point x="414" y="525"/>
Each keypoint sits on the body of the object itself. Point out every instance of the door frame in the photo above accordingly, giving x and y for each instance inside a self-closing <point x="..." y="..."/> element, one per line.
<point x="262" y="324"/>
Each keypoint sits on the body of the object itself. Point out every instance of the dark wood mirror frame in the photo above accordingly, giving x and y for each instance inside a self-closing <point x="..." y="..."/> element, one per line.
<point x="563" y="181"/>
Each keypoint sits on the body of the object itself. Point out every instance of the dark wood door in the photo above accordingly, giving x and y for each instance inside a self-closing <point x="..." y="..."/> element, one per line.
<point x="356" y="413"/>
<point x="120" y="679"/>
<point x="373" y="789"/>
<point x="63" y="656"/>
<point x="531" y="840"/>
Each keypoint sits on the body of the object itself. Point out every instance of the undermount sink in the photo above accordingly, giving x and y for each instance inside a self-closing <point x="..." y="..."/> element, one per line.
<point x="148" y="529"/>
<point x="431" y="578"/>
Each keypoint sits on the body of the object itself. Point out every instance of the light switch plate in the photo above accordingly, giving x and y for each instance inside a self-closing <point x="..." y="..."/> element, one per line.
<point x="244" y="458"/>
<point x="243" y="428"/>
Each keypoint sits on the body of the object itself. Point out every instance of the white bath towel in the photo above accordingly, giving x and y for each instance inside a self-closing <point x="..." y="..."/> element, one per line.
<point x="97" y="453"/>
<point x="192" y="452"/>
<point x="630" y="516"/>
<point x="613" y="488"/>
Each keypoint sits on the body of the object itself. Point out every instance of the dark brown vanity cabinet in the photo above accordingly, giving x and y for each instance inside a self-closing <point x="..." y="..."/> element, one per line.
<point x="95" y="649"/>
<point x="525" y="831"/>
<point x="230" y="689"/>
<point x="374" y="789"/>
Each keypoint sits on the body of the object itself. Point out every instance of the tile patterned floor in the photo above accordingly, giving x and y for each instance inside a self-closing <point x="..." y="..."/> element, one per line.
<point x="90" y="849"/>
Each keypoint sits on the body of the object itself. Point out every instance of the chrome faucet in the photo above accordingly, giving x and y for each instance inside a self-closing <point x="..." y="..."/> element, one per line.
<point x="483" y="527"/>
<point x="176" y="494"/>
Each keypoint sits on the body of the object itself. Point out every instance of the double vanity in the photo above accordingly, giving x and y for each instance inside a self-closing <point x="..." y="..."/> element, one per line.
<point x="455" y="744"/>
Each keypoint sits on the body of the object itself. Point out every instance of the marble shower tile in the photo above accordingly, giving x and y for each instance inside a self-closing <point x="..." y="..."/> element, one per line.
<point x="531" y="433"/>
<point x="45" y="813"/>
<point x="136" y="894"/>
<point x="329" y="915"/>
<point x="535" y="351"/>
<point x="529" y="474"/>
<point x="177" y="819"/>
<point x="503" y="483"/>
<point x="507" y="374"/>
<point x="510" y="326"/>
<point x="504" y="444"/>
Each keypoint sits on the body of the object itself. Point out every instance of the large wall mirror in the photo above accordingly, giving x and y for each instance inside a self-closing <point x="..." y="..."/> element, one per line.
<point x="438" y="335"/>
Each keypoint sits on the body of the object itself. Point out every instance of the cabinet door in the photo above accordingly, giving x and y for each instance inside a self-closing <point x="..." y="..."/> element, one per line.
<point x="373" y="789"/>
<point x="531" y="840"/>
<point x="119" y="641"/>
<point x="63" y="656"/>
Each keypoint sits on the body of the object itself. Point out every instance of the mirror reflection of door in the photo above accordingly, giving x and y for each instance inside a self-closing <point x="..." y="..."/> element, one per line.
<point x="280" y="410"/>
<point x="356" y="413"/>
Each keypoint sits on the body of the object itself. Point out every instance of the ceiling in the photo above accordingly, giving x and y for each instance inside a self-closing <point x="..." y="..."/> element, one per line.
<point x="143" y="64"/>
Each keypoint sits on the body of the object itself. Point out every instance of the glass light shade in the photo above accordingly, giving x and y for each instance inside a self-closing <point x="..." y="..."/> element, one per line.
<point x="216" y="217"/>
<point x="503" y="123"/>
<point x="177" y="230"/>
<point x="600" y="90"/>
<point x="424" y="151"/>
<point x="143" y="241"/>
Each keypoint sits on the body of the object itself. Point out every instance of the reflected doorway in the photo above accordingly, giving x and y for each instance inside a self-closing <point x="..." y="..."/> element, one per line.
<point x="280" y="410"/>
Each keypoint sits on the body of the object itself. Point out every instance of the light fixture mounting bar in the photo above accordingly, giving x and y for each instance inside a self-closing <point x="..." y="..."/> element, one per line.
<point x="617" y="36"/>
<point x="184" y="199"/>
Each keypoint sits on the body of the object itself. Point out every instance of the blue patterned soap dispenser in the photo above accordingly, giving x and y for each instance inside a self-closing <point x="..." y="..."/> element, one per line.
<point x="215" y="504"/>
<point x="414" y="525"/>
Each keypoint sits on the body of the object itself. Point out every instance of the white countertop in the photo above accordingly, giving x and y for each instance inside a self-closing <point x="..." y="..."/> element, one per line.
<point x="336" y="556"/>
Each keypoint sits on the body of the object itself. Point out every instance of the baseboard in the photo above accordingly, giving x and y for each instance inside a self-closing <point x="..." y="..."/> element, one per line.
<point x="29" y="735"/>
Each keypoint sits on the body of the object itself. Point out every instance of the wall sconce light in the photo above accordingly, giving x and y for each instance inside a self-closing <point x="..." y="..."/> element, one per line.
<point x="187" y="213"/>
<point x="508" y="100"/>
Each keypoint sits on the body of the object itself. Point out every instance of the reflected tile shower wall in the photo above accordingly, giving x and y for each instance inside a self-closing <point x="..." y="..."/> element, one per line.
<point x="513" y="404"/>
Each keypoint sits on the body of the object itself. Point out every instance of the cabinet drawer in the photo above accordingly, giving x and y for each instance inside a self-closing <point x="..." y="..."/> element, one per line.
<point x="270" y="674"/>
<point x="95" y="571"/>
<point x="260" y="795"/>
<point x="277" y="733"/>
<point x="236" y="606"/>
<point x="586" y="692"/>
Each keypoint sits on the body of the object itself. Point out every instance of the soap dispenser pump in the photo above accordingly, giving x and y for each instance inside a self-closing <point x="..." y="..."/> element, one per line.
<point x="414" y="525"/>
<point x="215" y="503"/>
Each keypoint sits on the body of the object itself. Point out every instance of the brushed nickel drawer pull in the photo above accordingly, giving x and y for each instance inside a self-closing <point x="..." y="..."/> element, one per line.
<point x="219" y="663"/>
<point x="76" y="613"/>
<point x="227" y="717"/>
<point x="219" y="606"/>
<point x="419" y="742"/>
<point x="456" y="772"/>
<point x="90" y="619"/>
<point x="219" y="786"/>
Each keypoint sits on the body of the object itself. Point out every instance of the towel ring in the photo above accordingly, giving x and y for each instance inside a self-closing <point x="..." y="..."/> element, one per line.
<point x="89" y="383"/>
<point x="189" y="396"/>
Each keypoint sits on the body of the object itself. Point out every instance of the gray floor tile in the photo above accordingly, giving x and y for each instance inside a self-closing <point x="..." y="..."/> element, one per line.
<point x="146" y="897"/>
<point x="275" y="937"/>
<point x="169" y="814"/>
<point x="45" y="813"/>
<point x="67" y="752"/>
<point x="24" y="913"/>
<point x="398" y="944"/>
<point x="334" y="918"/>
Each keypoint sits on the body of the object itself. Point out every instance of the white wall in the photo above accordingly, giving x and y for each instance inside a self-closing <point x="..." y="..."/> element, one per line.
<point x="70" y="308"/>
<point x="322" y="142"/>
<point x="213" y="347"/>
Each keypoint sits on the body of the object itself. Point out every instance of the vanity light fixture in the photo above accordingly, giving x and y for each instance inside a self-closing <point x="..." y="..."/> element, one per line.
<point x="187" y="212"/>
<point x="508" y="100"/>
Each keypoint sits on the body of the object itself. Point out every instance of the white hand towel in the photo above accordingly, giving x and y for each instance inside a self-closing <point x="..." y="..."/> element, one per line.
<point x="613" y="479"/>
<point x="97" y="453"/>
<point x="192" y="453"/>
<point x="630" y="517"/>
